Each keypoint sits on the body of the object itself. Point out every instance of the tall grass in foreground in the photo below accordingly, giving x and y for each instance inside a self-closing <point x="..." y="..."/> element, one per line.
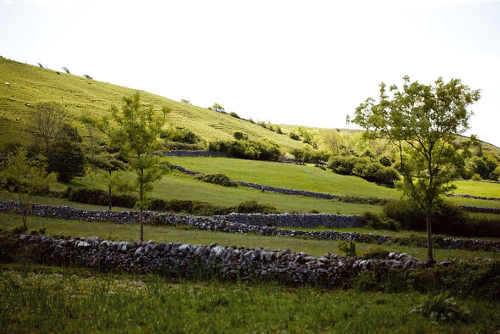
<point x="72" y="301"/>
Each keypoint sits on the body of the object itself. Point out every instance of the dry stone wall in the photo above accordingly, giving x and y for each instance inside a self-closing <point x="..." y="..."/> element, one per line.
<point x="228" y="224"/>
<point x="227" y="263"/>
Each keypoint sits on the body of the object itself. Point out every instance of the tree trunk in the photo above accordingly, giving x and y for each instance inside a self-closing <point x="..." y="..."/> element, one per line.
<point x="141" y="195"/>
<point x="25" y="218"/>
<point x="109" y="192"/>
<point x="430" y="257"/>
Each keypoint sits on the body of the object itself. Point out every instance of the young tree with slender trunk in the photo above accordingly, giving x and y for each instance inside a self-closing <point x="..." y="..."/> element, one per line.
<point x="25" y="176"/>
<point x="137" y="134"/>
<point x="422" y="121"/>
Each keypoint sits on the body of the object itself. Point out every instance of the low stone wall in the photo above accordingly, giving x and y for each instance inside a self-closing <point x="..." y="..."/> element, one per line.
<point x="480" y="210"/>
<point x="124" y="217"/>
<point x="295" y="220"/>
<point x="288" y="191"/>
<point x="186" y="153"/>
<point x="226" y="263"/>
<point x="229" y="224"/>
<point x="474" y="197"/>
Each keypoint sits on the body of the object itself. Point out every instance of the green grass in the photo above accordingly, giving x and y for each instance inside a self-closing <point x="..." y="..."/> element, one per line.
<point x="30" y="84"/>
<point x="315" y="179"/>
<point x="476" y="188"/>
<point x="182" y="187"/>
<point x="182" y="234"/>
<point x="40" y="299"/>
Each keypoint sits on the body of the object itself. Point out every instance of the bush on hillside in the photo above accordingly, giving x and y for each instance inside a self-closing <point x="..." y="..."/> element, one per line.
<point x="380" y="222"/>
<point x="248" y="149"/>
<point x="364" y="168"/>
<point x="240" y="135"/>
<point x="385" y="161"/>
<point x="180" y="135"/>
<point x="447" y="219"/>
<point x="255" y="207"/>
<point x="294" y="136"/>
<point x="235" y="115"/>
<point x="219" y="179"/>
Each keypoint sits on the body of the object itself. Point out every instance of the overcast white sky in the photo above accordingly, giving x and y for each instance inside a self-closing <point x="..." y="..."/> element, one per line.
<point x="295" y="62"/>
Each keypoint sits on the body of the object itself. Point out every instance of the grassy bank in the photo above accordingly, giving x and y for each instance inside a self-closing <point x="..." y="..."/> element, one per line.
<point x="38" y="299"/>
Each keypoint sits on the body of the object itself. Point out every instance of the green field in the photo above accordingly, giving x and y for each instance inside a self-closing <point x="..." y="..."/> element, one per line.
<point x="311" y="178"/>
<point x="30" y="84"/>
<point x="183" y="234"/>
<point x="41" y="299"/>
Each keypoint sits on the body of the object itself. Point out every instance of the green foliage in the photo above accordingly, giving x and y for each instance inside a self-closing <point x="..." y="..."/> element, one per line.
<point x="448" y="219"/>
<point x="181" y="135"/>
<point x="21" y="229"/>
<point x="240" y="135"/>
<point x="65" y="156"/>
<point x="422" y="121"/>
<point x="376" y="253"/>
<point x="307" y="155"/>
<point x="25" y="176"/>
<point x="217" y="107"/>
<point x="235" y="115"/>
<point x="385" y="161"/>
<point x="380" y="222"/>
<point x="476" y="177"/>
<point x="294" y="136"/>
<point x="362" y="167"/>
<point x="248" y="149"/>
<point x="347" y="247"/>
<point x="99" y="197"/>
<point x="254" y="207"/>
<point x="219" y="179"/>
<point x="47" y="122"/>
<point x="443" y="307"/>
<point x="137" y="134"/>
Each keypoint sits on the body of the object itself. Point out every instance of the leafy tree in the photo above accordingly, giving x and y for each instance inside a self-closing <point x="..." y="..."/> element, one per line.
<point x="217" y="107"/>
<point x="47" y="122"/>
<point x="137" y="134"/>
<point x="25" y="176"/>
<point x="65" y="156"/>
<point x="422" y="121"/>
<point x="113" y="179"/>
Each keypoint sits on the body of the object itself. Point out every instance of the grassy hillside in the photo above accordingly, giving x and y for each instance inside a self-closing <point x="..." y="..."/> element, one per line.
<point x="30" y="84"/>
<point x="314" y="179"/>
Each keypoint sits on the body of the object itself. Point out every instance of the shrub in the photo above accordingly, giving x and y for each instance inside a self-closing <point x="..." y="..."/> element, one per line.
<point x="99" y="197"/>
<point x="379" y="222"/>
<point x="447" y="219"/>
<point x="240" y="135"/>
<point x="66" y="159"/>
<point x="376" y="253"/>
<point x="385" y="161"/>
<point x="347" y="247"/>
<point x="180" y="135"/>
<point x="248" y="149"/>
<point x="294" y="136"/>
<point x="219" y="179"/>
<point x="254" y="207"/>
<point x="476" y="177"/>
<point x="19" y="229"/>
<point x="235" y="115"/>
<point x="442" y="307"/>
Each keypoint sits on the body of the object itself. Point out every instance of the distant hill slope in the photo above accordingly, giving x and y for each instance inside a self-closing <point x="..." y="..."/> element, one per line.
<point x="31" y="84"/>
